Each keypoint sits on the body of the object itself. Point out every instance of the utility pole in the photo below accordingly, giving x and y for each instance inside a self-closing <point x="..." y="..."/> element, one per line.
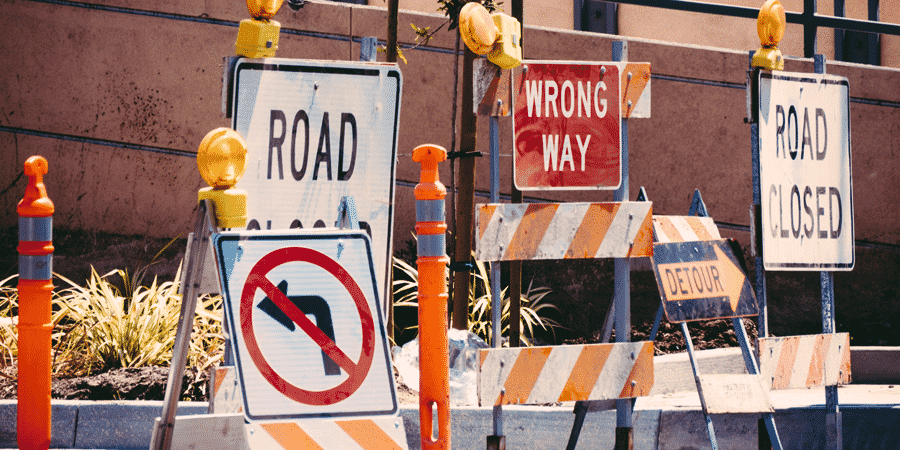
<point x="465" y="206"/>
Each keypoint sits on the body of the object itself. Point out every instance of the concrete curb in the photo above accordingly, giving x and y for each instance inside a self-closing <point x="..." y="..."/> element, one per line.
<point x="85" y="424"/>
<point x="674" y="421"/>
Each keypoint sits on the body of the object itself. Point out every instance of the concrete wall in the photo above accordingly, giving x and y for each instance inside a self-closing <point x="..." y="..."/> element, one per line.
<point x="118" y="93"/>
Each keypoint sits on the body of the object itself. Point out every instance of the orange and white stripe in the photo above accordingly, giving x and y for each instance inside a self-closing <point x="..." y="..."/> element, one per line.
<point x="380" y="433"/>
<point x="635" y="89"/>
<point x="684" y="229"/>
<point x="806" y="361"/>
<point x="530" y="375"/>
<point x="225" y="397"/>
<point x="529" y="231"/>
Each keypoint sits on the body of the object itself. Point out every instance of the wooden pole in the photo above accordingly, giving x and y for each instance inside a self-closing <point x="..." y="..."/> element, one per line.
<point x="465" y="206"/>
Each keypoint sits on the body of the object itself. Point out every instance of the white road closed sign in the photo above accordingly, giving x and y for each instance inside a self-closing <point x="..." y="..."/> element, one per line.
<point x="306" y="323"/>
<point x="317" y="131"/>
<point x="805" y="176"/>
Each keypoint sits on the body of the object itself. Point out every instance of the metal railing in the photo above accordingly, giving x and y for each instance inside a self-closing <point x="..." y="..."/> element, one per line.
<point x="810" y="20"/>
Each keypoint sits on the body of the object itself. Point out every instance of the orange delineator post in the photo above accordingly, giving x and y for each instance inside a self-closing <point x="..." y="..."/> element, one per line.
<point x="35" y="292"/>
<point x="432" y="264"/>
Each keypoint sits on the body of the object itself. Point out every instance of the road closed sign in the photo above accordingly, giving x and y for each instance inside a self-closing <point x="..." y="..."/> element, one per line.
<point x="567" y="123"/>
<point x="317" y="131"/>
<point x="805" y="177"/>
<point x="307" y="330"/>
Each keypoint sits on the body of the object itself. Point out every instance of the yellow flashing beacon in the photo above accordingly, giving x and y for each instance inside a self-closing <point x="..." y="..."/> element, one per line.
<point x="258" y="37"/>
<point x="770" y="26"/>
<point x="495" y="35"/>
<point x="221" y="160"/>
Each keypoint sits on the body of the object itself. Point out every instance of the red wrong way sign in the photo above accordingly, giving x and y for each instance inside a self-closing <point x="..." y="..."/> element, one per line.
<point x="308" y="334"/>
<point x="567" y="124"/>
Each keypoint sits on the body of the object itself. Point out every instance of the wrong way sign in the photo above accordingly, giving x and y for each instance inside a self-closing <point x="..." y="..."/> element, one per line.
<point x="306" y="323"/>
<point x="317" y="131"/>
<point x="805" y="177"/>
<point x="567" y="123"/>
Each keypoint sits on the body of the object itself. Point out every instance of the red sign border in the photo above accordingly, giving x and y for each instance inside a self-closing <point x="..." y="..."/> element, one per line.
<point x="257" y="276"/>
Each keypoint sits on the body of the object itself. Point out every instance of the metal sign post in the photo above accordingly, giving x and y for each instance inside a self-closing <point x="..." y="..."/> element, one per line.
<point x="805" y="217"/>
<point x="622" y="280"/>
<point x="833" y="423"/>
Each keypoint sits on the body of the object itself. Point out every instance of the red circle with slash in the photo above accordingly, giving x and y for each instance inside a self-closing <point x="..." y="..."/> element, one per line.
<point x="357" y="371"/>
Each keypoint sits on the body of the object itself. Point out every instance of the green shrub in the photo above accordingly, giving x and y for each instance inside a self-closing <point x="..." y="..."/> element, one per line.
<point x="532" y="309"/>
<point x="97" y="327"/>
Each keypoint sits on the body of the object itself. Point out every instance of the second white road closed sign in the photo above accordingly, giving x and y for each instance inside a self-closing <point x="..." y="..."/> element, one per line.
<point x="805" y="177"/>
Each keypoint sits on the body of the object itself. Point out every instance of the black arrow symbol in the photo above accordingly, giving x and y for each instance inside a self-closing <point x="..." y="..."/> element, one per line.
<point x="309" y="304"/>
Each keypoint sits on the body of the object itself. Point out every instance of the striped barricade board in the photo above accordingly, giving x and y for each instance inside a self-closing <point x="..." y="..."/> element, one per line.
<point x="805" y="361"/>
<point x="533" y="231"/>
<point x="372" y="433"/>
<point x="225" y="391"/>
<point x="684" y="228"/>
<point x="226" y="419"/>
<point x="533" y="375"/>
<point x="209" y="432"/>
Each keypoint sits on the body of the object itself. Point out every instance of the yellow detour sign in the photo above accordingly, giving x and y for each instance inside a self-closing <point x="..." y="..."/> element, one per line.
<point x="702" y="280"/>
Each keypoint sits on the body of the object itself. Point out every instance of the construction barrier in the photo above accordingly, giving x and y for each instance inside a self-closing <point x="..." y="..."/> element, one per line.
<point x="805" y="361"/>
<point x="532" y="231"/>
<point x="533" y="375"/>
<point x="684" y="229"/>
<point x="382" y="433"/>
<point x="225" y="391"/>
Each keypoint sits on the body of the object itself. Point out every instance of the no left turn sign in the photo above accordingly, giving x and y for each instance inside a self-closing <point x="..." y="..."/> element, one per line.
<point x="308" y="333"/>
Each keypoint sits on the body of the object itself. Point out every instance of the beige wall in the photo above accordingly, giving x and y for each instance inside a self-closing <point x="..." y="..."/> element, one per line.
<point x="119" y="99"/>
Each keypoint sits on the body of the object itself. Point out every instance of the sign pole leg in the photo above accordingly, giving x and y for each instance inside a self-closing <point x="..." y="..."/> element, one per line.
<point x="771" y="440"/>
<point x="190" y="282"/>
<point x="762" y="325"/>
<point x="709" y="424"/>
<point x="833" y="432"/>
<point x="497" y="440"/>
<point x="622" y="283"/>
<point x="753" y="369"/>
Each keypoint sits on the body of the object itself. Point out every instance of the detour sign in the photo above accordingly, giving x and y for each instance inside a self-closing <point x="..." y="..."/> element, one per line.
<point x="702" y="280"/>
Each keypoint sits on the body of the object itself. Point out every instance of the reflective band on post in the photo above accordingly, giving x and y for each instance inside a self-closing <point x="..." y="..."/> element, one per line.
<point x="431" y="245"/>
<point x="35" y="267"/>
<point x="36" y="229"/>
<point x="430" y="210"/>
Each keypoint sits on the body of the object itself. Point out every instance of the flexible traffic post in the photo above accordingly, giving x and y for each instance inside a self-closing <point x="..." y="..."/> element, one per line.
<point x="434" y="390"/>
<point x="35" y="291"/>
